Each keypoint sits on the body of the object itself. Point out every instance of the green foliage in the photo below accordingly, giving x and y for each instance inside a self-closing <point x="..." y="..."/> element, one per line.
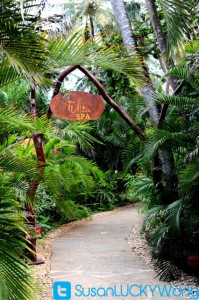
<point x="104" y="196"/>
<point x="20" y="45"/>
<point x="178" y="101"/>
<point x="72" y="211"/>
<point x="15" y="275"/>
<point x="16" y="281"/>
<point x="109" y="192"/>
<point x="142" y="188"/>
<point x="171" y="229"/>
<point x="78" y="133"/>
<point x="9" y="74"/>
<point x="179" y="72"/>
<point x="163" y="220"/>
<point x="73" y="50"/>
<point x="166" y="270"/>
<point x="18" y="95"/>
<point x="114" y="133"/>
<point x="68" y="179"/>
<point x="51" y="213"/>
<point x="13" y="121"/>
<point x="175" y="12"/>
<point x="190" y="174"/>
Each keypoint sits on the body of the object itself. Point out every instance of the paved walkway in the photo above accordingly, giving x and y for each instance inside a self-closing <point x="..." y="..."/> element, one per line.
<point x="96" y="254"/>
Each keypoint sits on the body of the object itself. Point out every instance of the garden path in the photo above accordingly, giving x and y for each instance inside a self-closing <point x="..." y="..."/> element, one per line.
<point x="95" y="253"/>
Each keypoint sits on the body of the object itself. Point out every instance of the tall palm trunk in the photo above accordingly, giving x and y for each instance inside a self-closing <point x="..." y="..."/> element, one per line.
<point x="131" y="45"/>
<point x="161" y="39"/>
<point x="166" y="155"/>
<point x="155" y="21"/>
<point x="124" y="25"/>
<point x="148" y="90"/>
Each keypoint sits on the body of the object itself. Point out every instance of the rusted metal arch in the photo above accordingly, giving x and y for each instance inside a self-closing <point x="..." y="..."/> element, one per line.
<point x="104" y="94"/>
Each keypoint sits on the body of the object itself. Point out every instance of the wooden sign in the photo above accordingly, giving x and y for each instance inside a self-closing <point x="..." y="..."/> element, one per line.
<point x="77" y="106"/>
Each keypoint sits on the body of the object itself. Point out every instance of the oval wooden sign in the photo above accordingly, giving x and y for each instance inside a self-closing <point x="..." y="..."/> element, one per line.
<point x="77" y="106"/>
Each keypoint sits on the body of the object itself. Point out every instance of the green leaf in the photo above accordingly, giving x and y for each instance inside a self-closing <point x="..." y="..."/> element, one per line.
<point x="177" y="101"/>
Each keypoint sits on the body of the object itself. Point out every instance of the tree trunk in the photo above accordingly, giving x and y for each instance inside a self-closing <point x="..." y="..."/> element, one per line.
<point x="166" y="156"/>
<point x="130" y="44"/>
<point x="124" y="25"/>
<point x="29" y="205"/>
<point x="155" y="21"/>
<point x="30" y="215"/>
<point x="161" y="40"/>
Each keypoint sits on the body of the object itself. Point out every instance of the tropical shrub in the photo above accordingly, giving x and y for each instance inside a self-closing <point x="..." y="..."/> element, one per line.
<point x="16" y="281"/>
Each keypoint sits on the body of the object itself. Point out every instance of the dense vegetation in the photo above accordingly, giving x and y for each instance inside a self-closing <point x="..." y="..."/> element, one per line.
<point x="61" y="170"/>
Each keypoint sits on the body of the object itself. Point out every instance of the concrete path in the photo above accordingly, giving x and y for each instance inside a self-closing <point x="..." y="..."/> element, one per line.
<point x="95" y="254"/>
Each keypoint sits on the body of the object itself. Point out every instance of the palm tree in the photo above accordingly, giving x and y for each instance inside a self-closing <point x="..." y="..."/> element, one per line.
<point x="172" y="38"/>
<point x="148" y="91"/>
<point x="93" y="16"/>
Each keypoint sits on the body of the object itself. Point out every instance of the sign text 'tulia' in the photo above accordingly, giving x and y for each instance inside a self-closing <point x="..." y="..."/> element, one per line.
<point x="77" y="106"/>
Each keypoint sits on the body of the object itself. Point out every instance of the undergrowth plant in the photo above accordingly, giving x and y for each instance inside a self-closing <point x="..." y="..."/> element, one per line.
<point x="172" y="228"/>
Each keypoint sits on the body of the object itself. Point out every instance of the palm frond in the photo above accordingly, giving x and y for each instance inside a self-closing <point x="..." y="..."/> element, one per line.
<point x="72" y="210"/>
<point x="49" y="146"/>
<point x="164" y="220"/>
<point x="166" y="270"/>
<point x="172" y="215"/>
<point x="192" y="156"/>
<point x="175" y="13"/>
<point x="177" y="101"/>
<point x="12" y="120"/>
<point x="178" y="72"/>
<point x="151" y="214"/>
<point x="131" y="154"/>
<point x="190" y="174"/>
<point x="65" y="147"/>
<point x="192" y="47"/>
<point x="115" y="139"/>
<point x="160" y="139"/>
<point x="15" y="275"/>
<point x="74" y="177"/>
<point x="82" y="167"/>
<point x="20" y="44"/>
<point x="143" y="188"/>
<point x="73" y="50"/>
<point x="8" y="74"/>
<point x="14" y="164"/>
<point x="77" y="133"/>
<point x="54" y="182"/>
<point x="57" y="144"/>
<point x="20" y="184"/>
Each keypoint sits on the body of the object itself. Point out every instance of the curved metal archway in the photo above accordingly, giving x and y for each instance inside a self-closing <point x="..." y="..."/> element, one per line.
<point x="102" y="91"/>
